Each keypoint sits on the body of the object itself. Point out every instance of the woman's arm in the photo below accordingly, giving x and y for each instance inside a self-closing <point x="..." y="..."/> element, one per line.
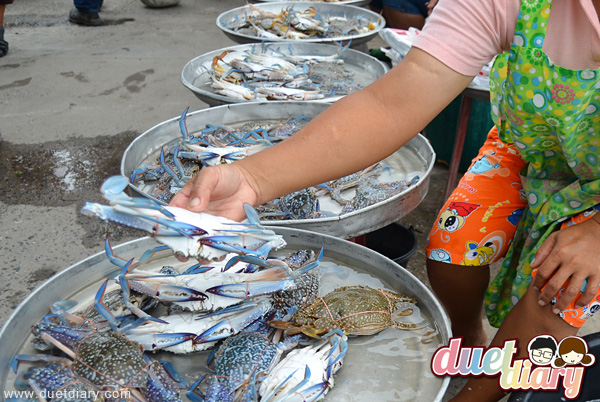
<point x="355" y="132"/>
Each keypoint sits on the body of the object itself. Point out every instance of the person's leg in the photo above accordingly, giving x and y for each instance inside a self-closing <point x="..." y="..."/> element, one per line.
<point x="403" y="14"/>
<point x="3" y="43"/>
<point x="87" y="6"/>
<point x="474" y="229"/>
<point x="401" y="20"/>
<point x="524" y="322"/>
<point x="461" y="290"/>
<point x="86" y="13"/>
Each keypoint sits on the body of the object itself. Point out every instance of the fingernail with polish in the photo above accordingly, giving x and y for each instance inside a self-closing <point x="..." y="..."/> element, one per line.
<point x="541" y="303"/>
<point x="556" y="311"/>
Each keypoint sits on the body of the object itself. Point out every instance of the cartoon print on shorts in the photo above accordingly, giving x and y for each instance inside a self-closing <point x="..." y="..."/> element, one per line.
<point x="515" y="216"/>
<point x="476" y="255"/>
<point x="542" y="349"/>
<point x="573" y="350"/>
<point x="588" y="213"/>
<point x="488" y="165"/>
<point x="590" y="309"/>
<point x="439" y="254"/>
<point x="453" y="218"/>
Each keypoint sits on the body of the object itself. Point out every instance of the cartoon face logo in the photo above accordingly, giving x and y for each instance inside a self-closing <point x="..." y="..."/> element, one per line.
<point x="484" y="164"/>
<point x="450" y="221"/>
<point x="590" y="310"/>
<point x="453" y="218"/>
<point x="573" y="350"/>
<point x="440" y="255"/>
<point x="542" y="350"/>
<point x="477" y="256"/>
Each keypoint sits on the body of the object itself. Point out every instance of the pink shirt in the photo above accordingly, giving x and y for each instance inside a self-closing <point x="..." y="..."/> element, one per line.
<point x="466" y="34"/>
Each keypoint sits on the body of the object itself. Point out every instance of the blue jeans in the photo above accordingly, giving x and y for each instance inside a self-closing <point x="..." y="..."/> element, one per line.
<point x="415" y="7"/>
<point x="88" y="6"/>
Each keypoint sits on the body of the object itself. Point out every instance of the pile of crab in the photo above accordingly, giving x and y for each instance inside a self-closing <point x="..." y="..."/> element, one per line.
<point x="264" y="73"/>
<point x="274" y="337"/>
<point x="291" y="23"/>
<point x="180" y="159"/>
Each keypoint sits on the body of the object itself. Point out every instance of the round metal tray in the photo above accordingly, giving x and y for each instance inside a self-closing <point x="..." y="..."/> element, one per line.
<point x="196" y="78"/>
<point x="325" y="9"/>
<point x="357" y="3"/>
<point x="416" y="157"/>
<point x="390" y="366"/>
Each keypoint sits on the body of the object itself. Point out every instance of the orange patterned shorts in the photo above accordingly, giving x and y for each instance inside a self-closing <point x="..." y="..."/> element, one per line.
<point x="476" y="225"/>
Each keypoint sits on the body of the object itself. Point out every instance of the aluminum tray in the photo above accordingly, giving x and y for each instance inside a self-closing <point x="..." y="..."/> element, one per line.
<point x="390" y="366"/>
<point x="357" y="3"/>
<point x="197" y="79"/>
<point x="417" y="156"/>
<point x="338" y="10"/>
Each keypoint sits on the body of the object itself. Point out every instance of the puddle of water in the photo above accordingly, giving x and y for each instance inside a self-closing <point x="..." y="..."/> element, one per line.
<point x="59" y="173"/>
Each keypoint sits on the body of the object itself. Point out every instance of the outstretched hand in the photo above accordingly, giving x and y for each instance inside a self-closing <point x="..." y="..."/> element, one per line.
<point x="218" y="190"/>
<point x="573" y="254"/>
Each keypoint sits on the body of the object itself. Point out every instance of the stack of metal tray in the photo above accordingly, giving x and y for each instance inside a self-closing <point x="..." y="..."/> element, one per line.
<point x="415" y="158"/>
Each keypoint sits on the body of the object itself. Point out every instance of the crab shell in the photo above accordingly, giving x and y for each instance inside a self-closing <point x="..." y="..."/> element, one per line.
<point x="107" y="359"/>
<point x="356" y="310"/>
<point x="243" y="356"/>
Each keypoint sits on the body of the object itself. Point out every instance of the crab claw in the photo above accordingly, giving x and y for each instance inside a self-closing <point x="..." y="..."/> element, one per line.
<point x="162" y="341"/>
<point x="231" y="325"/>
<point x="168" y="169"/>
<point x="183" y="125"/>
<point x="36" y="358"/>
<point x="214" y="390"/>
<point x="121" y="262"/>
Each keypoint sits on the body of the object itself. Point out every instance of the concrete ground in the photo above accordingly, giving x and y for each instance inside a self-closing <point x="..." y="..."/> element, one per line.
<point x="72" y="98"/>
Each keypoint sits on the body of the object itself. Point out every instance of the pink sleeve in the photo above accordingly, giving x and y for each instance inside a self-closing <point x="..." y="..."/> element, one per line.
<point x="467" y="34"/>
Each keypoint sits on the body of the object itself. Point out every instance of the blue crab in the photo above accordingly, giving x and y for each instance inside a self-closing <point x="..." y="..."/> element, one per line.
<point x="56" y="377"/>
<point x="240" y="363"/>
<point x="188" y="234"/>
<point x="307" y="285"/>
<point x="372" y="192"/>
<point x="106" y="360"/>
<point x="187" y="332"/>
<point x="306" y="374"/>
<point x="205" y="288"/>
<point x="356" y="310"/>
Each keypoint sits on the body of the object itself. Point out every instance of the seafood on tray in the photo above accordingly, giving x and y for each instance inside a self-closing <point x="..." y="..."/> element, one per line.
<point x="161" y="178"/>
<point x="188" y="234"/>
<point x="274" y="335"/>
<point x="268" y="73"/>
<point x="292" y="23"/>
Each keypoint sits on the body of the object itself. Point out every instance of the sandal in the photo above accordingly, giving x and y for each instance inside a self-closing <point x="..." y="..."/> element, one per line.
<point x="3" y="43"/>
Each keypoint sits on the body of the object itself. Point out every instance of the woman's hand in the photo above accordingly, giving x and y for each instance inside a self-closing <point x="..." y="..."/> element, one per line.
<point x="219" y="190"/>
<point x="572" y="252"/>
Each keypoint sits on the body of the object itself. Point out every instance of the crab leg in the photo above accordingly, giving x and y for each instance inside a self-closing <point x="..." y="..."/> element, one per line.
<point x="235" y="290"/>
<point x="168" y="169"/>
<point x="200" y="235"/>
<point x="188" y="332"/>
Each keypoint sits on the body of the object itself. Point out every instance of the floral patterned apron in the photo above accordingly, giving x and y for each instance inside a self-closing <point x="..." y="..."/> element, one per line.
<point x="552" y="115"/>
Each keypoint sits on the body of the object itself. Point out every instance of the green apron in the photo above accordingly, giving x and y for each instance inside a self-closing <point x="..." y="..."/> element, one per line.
<point x="552" y="116"/>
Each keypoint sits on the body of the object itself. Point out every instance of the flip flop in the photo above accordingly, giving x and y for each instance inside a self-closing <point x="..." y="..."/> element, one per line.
<point x="3" y="43"/>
